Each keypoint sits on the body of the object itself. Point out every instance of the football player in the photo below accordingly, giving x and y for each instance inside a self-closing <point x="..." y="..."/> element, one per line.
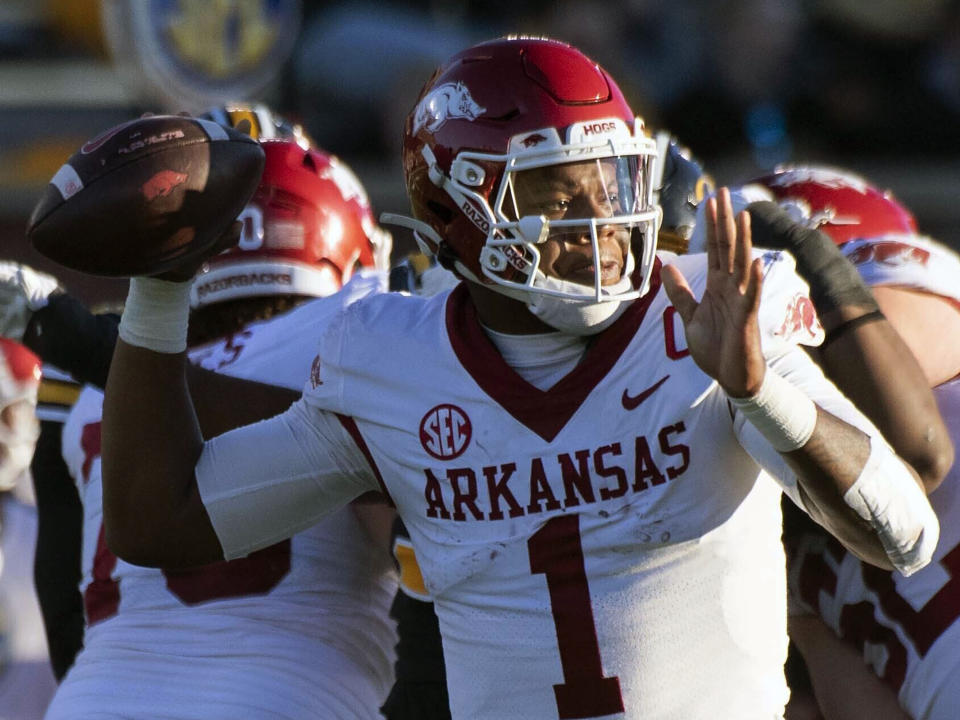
<point x="306" y="619"/>
<point x="681" y="185"/>
<point x="905" y="629"/>
<point x="582" y="553"/>
<point x="26" y="680"/>
<point x="420" y="689"/>
<point x="28" y="299"/>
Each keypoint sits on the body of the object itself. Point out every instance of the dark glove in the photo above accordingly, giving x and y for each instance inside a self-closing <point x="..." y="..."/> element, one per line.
<point x="834" y="281"/>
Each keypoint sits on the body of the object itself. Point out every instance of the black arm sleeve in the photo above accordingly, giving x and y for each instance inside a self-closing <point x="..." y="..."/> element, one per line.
<point x="56" y="570"/>
<point x="420" y="689"/>
<point x="67" y="335"/>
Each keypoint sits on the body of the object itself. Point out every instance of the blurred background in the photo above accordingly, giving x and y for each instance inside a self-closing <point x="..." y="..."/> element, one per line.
<point x="873" y="86"/>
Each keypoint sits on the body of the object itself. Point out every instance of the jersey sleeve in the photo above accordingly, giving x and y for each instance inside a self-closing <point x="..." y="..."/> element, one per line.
<point x="66" y="334"/>
<point x="264" y="482"/>
<point x="81" y="447"/>
<point x="324" y="389"/>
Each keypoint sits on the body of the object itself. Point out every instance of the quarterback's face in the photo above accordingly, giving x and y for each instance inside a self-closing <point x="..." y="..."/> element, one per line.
<point x="577" y="191"/>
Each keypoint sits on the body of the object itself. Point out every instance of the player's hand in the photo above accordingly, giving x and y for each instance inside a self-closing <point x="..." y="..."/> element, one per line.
<point x="23" y="291"/>
<point x="230" y="238"/>
<point x="722" y="330"/>
<point x="186" y="271"/>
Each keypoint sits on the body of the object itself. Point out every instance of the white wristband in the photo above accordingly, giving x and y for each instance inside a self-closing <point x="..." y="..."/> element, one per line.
<point x="888" y="497"/>
<point x="781" y="411"/>
<point x="156" y="315"/>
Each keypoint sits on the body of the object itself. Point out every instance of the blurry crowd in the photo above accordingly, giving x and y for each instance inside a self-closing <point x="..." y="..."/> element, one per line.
<point x="746" y="84"/>
<point x="769" y="78"/>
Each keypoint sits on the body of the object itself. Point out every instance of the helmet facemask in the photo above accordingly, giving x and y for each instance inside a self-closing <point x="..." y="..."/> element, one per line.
<point x="594" y="189"/>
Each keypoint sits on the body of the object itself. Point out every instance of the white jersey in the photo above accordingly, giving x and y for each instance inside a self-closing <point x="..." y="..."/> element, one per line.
<point x="297" y="630"/>
<point x="908" y="629"/>
<point x="609" y="547"/>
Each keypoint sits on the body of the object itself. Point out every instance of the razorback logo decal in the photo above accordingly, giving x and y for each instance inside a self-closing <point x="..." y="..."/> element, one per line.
<point x="826" y="177"/>
<point x="890" y="253"/>
<point x="162" y="184"/>
<point x="801" y="318"/>
<point x="445" y="102"/>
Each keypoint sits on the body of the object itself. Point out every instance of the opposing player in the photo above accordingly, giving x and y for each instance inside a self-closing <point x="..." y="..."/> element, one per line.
<point x="581" y="555"/>
<point x="680" y="187"/>
<point x="300" y="627"/>
<point x="906" y="629"/>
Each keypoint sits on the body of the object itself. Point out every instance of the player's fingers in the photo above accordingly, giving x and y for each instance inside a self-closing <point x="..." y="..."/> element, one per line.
<point x="679" y="292"/>
<point x="742" y="255"/>
<point x="754" y="286"/>
<point x="726" y="230"/>
<point x="710" y="217"/>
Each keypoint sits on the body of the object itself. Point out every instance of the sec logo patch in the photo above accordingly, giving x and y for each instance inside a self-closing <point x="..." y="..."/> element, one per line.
<point x="445" y="432"/>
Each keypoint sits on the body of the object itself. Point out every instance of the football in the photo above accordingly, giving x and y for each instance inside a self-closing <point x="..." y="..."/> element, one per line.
<point x="146" y="196"/>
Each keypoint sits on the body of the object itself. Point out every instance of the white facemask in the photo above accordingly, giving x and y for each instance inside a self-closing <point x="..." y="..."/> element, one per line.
<point x="576" y="317"/>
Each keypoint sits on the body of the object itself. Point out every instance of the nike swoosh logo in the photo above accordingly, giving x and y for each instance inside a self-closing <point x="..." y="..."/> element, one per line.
<point x="631" y="403"/>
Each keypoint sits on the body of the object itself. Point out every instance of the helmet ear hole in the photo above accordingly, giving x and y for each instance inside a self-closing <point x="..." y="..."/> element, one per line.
<point x="447" y="257"/>
<point x="441" y="211"/>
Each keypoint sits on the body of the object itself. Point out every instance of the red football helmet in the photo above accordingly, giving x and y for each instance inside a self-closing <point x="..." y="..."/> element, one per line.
<point x="306" y="229"/>
<point x="19" y="373"/>
<point x="839" y="203"/>
<point x="497" y="111"/>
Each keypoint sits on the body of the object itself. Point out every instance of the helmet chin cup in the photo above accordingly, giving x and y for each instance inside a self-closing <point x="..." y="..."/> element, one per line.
<point x="534" y="228"/>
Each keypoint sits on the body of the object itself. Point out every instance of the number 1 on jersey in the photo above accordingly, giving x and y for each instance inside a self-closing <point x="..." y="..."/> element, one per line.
<point x="555" y="551"/>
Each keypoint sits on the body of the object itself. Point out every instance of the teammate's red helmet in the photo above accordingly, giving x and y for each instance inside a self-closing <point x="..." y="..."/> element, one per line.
<point x="491" y="113"/>
<point x="19" y="372"/>
<point x="839" y="203"/>
<point x="307" y="228"/>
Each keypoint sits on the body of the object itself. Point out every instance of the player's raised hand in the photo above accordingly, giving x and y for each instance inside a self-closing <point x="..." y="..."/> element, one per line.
<point x="722" y="330"/>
